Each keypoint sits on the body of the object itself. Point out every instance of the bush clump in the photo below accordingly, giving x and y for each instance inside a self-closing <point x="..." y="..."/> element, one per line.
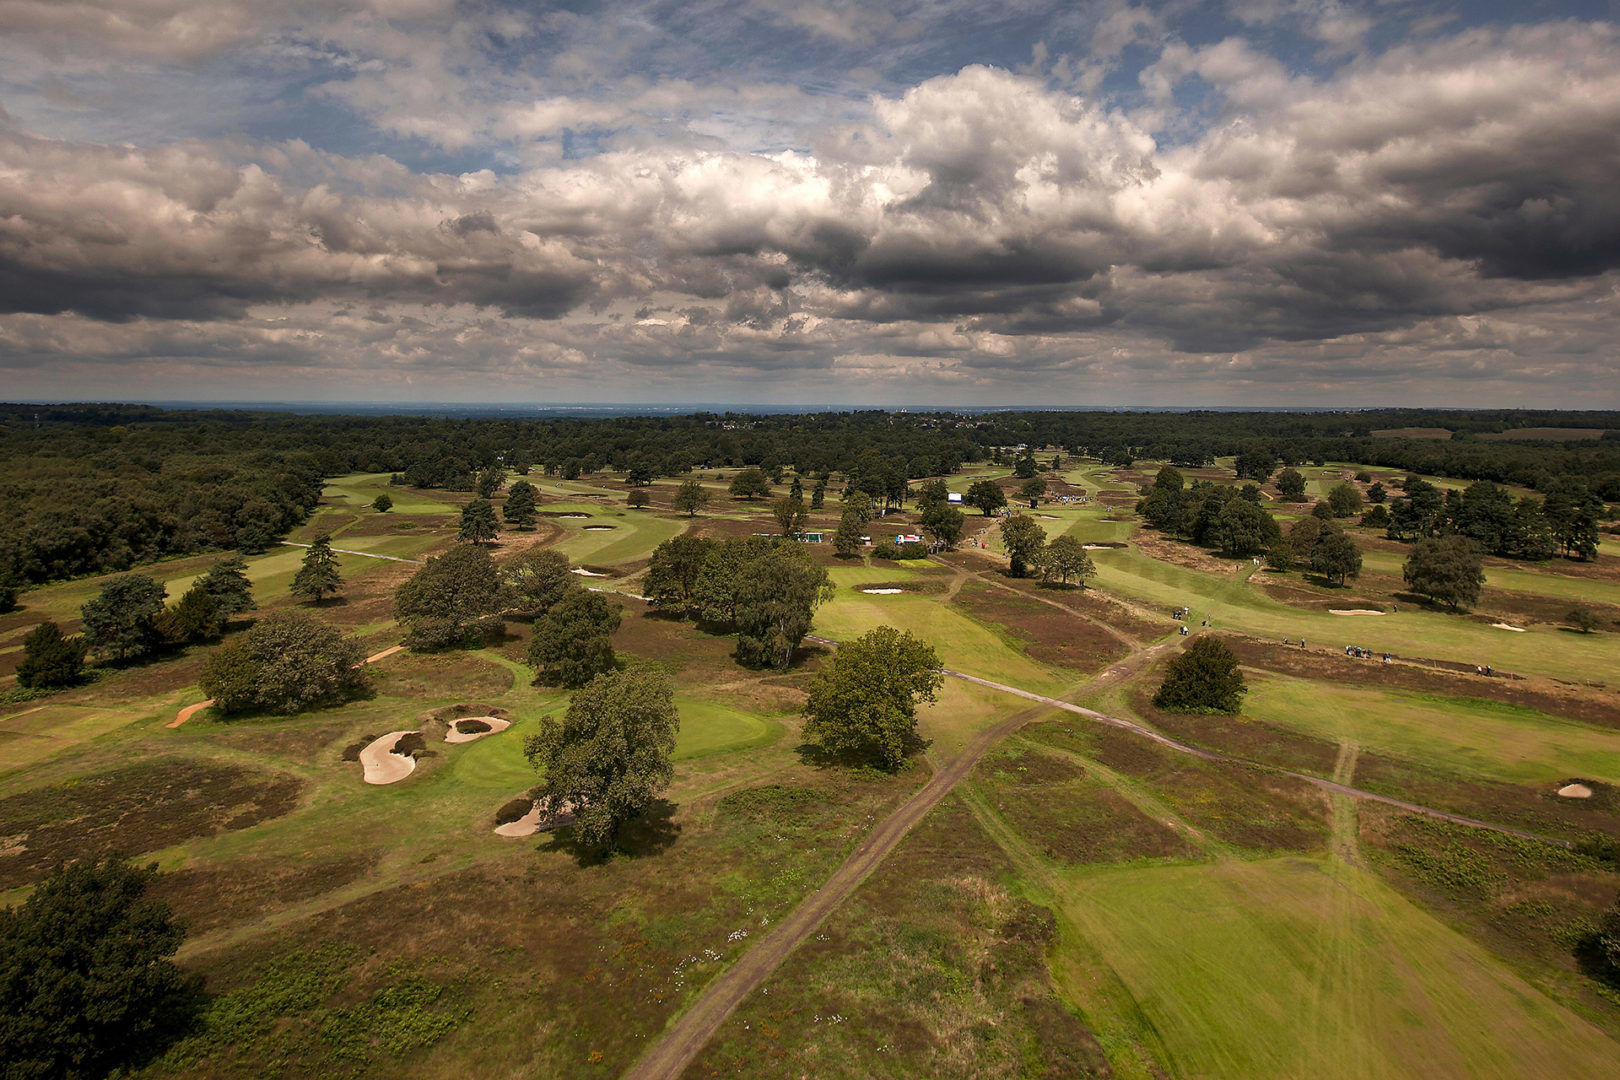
<point x="1205" y="678"/>
<point x="87" y="980"/>
<point x="513" y="810"/>
<point x="289" y="661"/>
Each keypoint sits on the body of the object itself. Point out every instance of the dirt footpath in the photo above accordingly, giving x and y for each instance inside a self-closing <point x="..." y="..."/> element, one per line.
<point x="692" y="1030"/>
<point x="687" y="1035"/>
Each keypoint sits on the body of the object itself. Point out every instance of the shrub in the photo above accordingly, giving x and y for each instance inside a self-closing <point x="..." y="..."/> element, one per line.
<point x="86" y="980"/>
<point x="49" y="658"/>
<point x="1580" y="618"/>
<point x="513" y="810"/>
<point x="885" y="549"/>
<point x="1205" y="678"/>
<point x="288" y="661"/>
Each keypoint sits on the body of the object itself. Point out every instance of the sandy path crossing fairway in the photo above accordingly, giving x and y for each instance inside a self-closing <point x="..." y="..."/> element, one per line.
<point x="188" y="712"/>
<point x="367" y="554"/>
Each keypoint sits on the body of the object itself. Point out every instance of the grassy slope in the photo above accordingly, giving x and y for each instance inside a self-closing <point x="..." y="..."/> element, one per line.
<point x="1298" y="967"/>
<point x="1478" y="738"/>
<point x="1235" y="605"/>
<point x="1536" y="582"/>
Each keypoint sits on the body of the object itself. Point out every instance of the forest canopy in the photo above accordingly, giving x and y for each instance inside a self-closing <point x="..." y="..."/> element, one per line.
<point x="102" y="488"/>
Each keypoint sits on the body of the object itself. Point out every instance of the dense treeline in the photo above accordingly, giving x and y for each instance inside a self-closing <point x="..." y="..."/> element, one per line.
<point x="1198" y="438"/>
<point x="1566" y="520"/>
<point x="97" y="488"/>
<point x="766" y="591"/>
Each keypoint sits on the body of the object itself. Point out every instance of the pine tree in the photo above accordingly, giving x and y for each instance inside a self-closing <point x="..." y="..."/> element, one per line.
<point x="847" y="540"/>
<point x="227" y="582"/>
<point x="121" y="619"/>
<point x="50" y="658"/>
<point x="478" y="525"/>
<point x="318" y="575"/>
<point x="520" y="504"/>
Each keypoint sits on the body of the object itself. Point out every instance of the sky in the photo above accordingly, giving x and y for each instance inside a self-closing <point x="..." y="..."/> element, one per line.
<point x="1248" y="202"/>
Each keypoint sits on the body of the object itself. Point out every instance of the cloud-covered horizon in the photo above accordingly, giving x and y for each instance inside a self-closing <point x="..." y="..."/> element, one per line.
<point x="1252" y="202"/>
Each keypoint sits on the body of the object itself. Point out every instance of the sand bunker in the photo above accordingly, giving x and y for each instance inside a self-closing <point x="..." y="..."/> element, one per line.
<point x="533" y="822"/>
<point x="1353" y="611"/>
<point x="382" y="765"/>
<point x="881" y="592"/>
<point x="1575" y="791"/>
<point x="494" y="725"/>
<point x="1506" y="626"/>
<point x="573" y="515"/>
<point x="527" y="825"/>
<point x="582" y="572"/>
<point x="599" y="528"/>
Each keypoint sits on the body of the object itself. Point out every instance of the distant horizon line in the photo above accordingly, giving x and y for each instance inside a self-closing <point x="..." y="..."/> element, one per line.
<point x="295" y="404"/>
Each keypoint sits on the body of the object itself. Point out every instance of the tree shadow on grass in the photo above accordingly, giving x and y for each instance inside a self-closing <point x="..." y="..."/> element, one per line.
<point x="652" y="833"/>
<point x="806" y="652"/>
<point x="821" y="759"/>
<point x="1428" y="603"/>
<point x="1321" y="581"/>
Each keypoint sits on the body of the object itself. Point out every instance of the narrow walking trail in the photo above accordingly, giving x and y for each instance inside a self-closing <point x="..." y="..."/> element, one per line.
<point x="691" y="1031"/>
<point x="1330" y="786"/>
<point x="681" y="1042"/>
<point x="367" y="554"/>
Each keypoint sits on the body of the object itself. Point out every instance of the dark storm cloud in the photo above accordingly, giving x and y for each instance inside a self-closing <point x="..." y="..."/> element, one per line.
<point x="650" y="215"/>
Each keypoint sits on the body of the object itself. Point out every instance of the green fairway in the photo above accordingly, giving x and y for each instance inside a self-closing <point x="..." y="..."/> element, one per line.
<point x="853" y="575"/>
<point x="962" y="643"/>
<point x="272" y="573"/>
<point x="356" y="491"/>
<point x="1295" y="967"/>
<point x="1512" y="579"/>
<point x="1234" y="604"/>
<point x="634" y="536"/>
<point x="43" y="732"/>
<point x="1485" y="739"/>
<point x="708" y="727"/>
